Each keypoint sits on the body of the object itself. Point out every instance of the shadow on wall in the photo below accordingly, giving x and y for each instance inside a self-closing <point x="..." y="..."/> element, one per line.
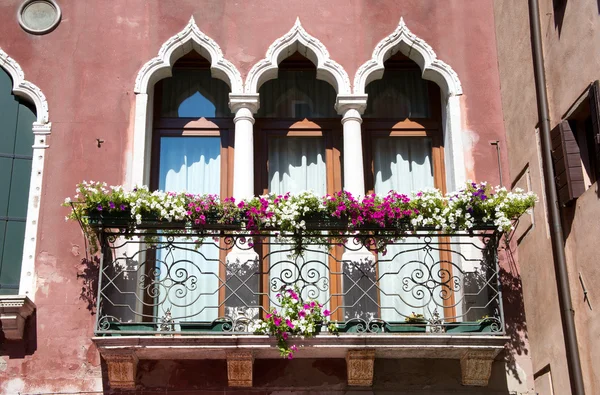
<point x="514" y="313"/>
<point x="17" y="349"/>
<point x="89" y="274"/>
<point x="559" y="7"/>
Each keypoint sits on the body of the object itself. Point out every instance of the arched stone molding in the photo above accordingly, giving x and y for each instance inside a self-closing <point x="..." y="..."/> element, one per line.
<point x="20" y="305"/>
<point x="23" y="88"/>
<point x="297" y="39"/>
<point x="403" y="40"/>
<point x="190" y="38"/>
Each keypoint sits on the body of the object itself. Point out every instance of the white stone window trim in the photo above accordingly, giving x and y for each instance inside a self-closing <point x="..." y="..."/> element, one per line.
<point x="15" y="309"/>
<point x="433" y="69"/>
<point x="297" y="39"/>
<point x="190" y="38"/>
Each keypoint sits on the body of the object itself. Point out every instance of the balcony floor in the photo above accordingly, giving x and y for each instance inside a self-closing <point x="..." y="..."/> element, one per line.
<point x="322" y="346"/>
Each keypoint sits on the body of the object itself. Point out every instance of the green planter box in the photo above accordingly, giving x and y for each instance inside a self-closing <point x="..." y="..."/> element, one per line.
<point x="469" y="327"/>
<point x="130" y="327"/>
<point x="389" y="327"/>
<point x="195" y="326"/>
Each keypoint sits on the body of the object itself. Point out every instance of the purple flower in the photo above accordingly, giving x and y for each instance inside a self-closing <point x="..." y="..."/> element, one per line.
<point x="123" y="207"/>
<point x="99" y="207"/>
<point x="483" y="197"/>
<point x="111" y="204"/>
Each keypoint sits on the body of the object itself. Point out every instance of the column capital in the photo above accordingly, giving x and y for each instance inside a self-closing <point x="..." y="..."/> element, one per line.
<point x="344" y="103"/>
<point x="239" y="101"/>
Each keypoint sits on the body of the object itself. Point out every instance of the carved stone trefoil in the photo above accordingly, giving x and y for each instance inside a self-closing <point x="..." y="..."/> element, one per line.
<point x="360" y="364"/>
<point x="476" y="367"/>
<point x="122" y="369"/>
<point x="239" y="368"/>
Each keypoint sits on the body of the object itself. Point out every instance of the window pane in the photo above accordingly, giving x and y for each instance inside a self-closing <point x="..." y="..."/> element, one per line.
<point x="399" y="94"/>
<point x="297" y="94"/>
<point x="25" y="138"/>
<point x="402" y="164"/>
<point x="8" y="114"/>
<point x="297" y="164"/>
<point x="12" y="256"/>
<point x="194" y="94"/>
<point x="191" y="164"/>
<point x="19" y="188"/>
<point x="5" y="175"/>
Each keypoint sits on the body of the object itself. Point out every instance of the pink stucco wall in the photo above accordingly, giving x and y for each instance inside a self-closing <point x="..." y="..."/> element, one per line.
<point x="87" y="67"/>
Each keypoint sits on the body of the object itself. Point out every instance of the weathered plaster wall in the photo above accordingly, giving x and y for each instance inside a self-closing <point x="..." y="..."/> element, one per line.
<point x="571" y="61"/>
<point x="572" y="64"/>
<point x="87" y="67"/>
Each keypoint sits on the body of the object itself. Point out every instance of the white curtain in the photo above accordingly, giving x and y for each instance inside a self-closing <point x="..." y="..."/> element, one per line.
<point x="189" y="278"/>
<point x="404" y="164"/>
<point x="297" y="164"/>
<point x="399" y="94"/>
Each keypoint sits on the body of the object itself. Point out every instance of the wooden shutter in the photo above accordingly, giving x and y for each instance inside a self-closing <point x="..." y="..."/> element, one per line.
<point x="568" y="171"/>
<point x="594" y="95"/>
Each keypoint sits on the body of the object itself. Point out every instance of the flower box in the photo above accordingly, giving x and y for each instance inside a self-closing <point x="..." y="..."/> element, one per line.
<point x="388" y="327"/>
<point x="118" y="219"/>
<point x="469" y="326"/>
<point x="405" y="327"/>
<point x="126" y="327"/>
<point x="325" y="221"/>
<point x="197" y="326"/>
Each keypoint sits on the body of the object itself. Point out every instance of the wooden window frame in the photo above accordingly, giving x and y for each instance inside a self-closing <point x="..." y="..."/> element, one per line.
<point x="415" y="127"/>
<point x="194" y="127"/>
<point x="331" y="131"/>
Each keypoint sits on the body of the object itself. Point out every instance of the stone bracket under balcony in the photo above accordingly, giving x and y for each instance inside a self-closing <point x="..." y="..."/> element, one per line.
<point x="14" y="311"/>
<point x="475" y="352"/>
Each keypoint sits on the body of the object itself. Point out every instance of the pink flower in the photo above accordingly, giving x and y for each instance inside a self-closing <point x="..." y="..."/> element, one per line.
<point x="302" y="313"/>
<point x="268" y="316"/>
<point x="290" y="356"/>
<point x="306" y="306"/>
<point x="277" y="321"/>
<point x="294" y="348"/>
<point x="284" y="335"/>
<point x="326" y="313"/>
<point x="289" y="324"/>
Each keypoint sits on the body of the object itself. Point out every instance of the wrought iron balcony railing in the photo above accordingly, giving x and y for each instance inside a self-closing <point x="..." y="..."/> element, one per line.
<point x="157" y="281"/>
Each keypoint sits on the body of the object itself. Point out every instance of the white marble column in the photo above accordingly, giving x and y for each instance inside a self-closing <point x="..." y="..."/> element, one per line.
<point x="351" y="107"/>
<point x="243" y="106"/>
<point x="242" y="255"/>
